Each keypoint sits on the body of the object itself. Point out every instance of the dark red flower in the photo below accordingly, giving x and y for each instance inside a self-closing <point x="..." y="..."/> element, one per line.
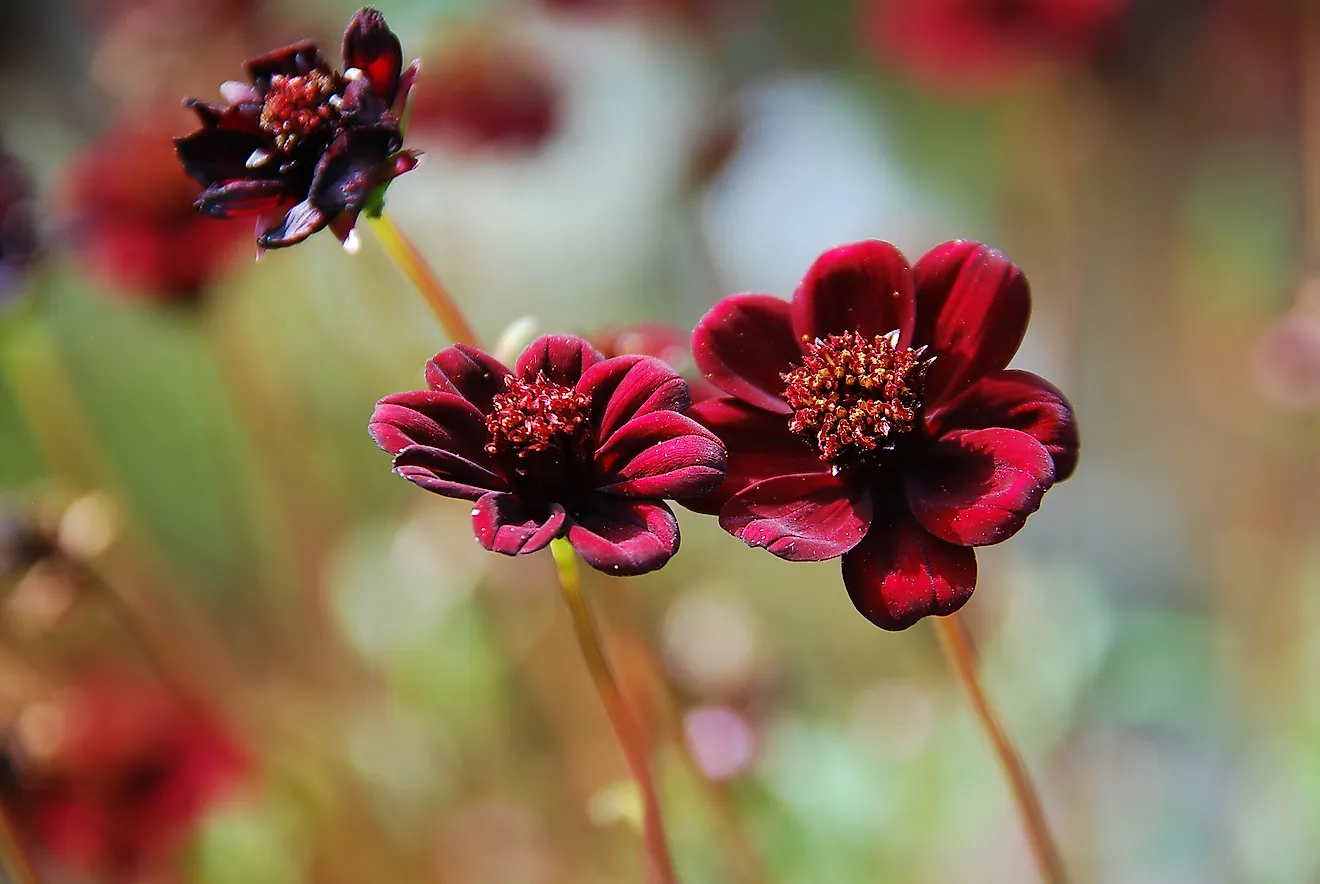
<point x="18" y="226"/>
<point x="668" y="343"/>
<point x="568" y="444"/>
<point x="483" y="96"/>
<point x="979" y="45"/>
<point x="873" y="418"/>
<point x="304" y="146"/>
<point x="111" y="775"/>
<point x="132" y="221"/>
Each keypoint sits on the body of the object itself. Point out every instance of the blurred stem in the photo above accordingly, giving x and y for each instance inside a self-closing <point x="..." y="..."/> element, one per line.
<point x="957" y="644"/>
<point x="1310" y="132"/>
<point x="660" y="869"/>
<point x="13" y="860"/>
<point x="410" y="261"/>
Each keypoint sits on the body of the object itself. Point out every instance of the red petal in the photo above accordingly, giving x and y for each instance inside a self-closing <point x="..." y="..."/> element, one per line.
<point x="624" y="537"/>
<point x="214" y="155"/>
<point x="1018" y="400"/>
<point x="972" y="309"/>
<point x="804" y="518"/>
<point x="468" y="372"/>
<point x="743" y="346"/>
<point x="298" y="58"/>
<point x="660" y="455"/>
<point x="627" y="387"/>
<point x="371" y="47"/>
<point x="977" y="487"/>
<point x="865" y="288"/>
<point x="899" y="573"/>
<point x="446" y="473"/>
<point x="436" y="420"/>
<point x="298" y="223"/>
<point x="504" y="524"/>
<point x="562" y="359"/>
<point x="235" y="199"/>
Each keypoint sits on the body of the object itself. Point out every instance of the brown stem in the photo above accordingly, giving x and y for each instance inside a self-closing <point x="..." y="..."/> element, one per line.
<point x="660" y="868"/>
<point x="957" y="644"/>
<point x="410" y="261"/>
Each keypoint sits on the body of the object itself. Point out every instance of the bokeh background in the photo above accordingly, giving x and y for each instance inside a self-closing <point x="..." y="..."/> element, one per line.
<point x="235" y="648"/>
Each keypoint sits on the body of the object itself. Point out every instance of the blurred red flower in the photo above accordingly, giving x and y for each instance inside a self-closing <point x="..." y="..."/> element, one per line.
<point x="132" y="221"/>
<point x="873" y="418"/>
<point x="981" y="45"/>
<point x="111" y="775"/>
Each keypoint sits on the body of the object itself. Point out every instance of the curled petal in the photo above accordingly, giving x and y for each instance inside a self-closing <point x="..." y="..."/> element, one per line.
<point x="562" y="359"/>
<point x="298" y="58"/>
<point x="972" y="309"/>
<point x="469" y="372"/>
<point x="804" y="518"/>
<point x="435" y="420"/>
<point x="624" y="537"/>
<point x="1018" y="400"/>
<point x="211" y="155"/>
<point x="661" y="455"/>
<point x="234" y="199"/>
<point x="977" y="487"/>
<point x="626" y="387"/>
<point x="865" y="288"/>
<point x="296" y="225"/>
<point x="504" y="524"/>
<point x="900" y="573"/>
<point x="371" y="47"/>
<point x="350" y="169"/>
<point x="743" y="346"/>
<point x="446" y="473"/>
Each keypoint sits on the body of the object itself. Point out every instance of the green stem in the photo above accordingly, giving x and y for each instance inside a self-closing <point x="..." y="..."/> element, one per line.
<point x="632" y="740"/>
<point x="411" y="263"/>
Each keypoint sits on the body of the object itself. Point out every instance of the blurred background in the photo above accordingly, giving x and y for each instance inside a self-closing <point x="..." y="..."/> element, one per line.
<point x="235" y="648"/>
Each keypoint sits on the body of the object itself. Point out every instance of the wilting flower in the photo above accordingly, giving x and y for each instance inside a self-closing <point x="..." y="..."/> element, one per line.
<point x="668" y="343"/>
<point x="872" y="418"/>
<point x="111" y="774"/>
<point x="131" y="219"/>
<point x="304" y="146"/>
<point x="568" y="444"/>
<point x="18" y="228"/>
<point x="982" y="44"/>
<point x="484" y="96"/>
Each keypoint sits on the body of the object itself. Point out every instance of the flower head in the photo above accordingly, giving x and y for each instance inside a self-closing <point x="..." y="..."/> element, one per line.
<point x="567" y="444"/>
<point x="18" y="228"/>
<point x="873" y="418"/>
<point x="304" y="146"/>
<point x="110" y="775"/>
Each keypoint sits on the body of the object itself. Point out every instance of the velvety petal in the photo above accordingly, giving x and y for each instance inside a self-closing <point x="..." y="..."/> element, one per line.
<point x="977" y="487"/>
<point x="864" y="287"/>
<point x="504" y="524"/>
<point x="972" y="309"/>
<point x="298" y="58"/>
<point x="900" y="573"/>
<point x="662" y="455"/>
<point x="234" y="199"/>
<point x="743" y="346"/>
<point x="446" y="473"/>
<point x="350" y="169"/>
<point x="804" y="518"/>
<point x="759" y="446"/>
<point x="371" y="47"/>
<point x="212" y="155"/>
<point x="466" y="371"/>
<point x="626" y="387"/>
<point x="1018" y="400"/>
<point x="624" y="537"/>
<point x="562" y="359"/>
<point x="435" y="420"/>
<point x="298" y="223"/>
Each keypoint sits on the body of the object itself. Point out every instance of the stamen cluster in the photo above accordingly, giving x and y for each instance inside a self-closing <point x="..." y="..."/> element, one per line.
<point x="534" y="416"/>
<point x="297" y="107"/>
<point x="851" y="396"/>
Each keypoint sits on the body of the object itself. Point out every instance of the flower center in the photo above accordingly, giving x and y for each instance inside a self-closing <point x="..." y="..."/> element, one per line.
<point x="851" y="397"/>
<point x="535" y="416"/>
<point x="300" y="106"/>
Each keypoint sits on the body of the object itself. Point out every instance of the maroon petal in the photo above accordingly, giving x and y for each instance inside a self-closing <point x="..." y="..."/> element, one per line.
<point x="234" y="199"/>
<point x="350" y="169"/>
<point x="977" y="487"/>
<point x="1018" y="400"/>
<point x="469" y="372"/>
<point x="435" y="420"/>
<point x="804" y="518"/>
<point x="865" y="288"/>
<point x="299" y="58"/>
<point x="744" y="345"/>
<point x="211" y="155"/>
<point x="504" y="524"/>
<point x="626" y="387"/>
<point x="899" y="573"/>
<point x="446" y="473"/>
<point x="562" y="359"/>
<point x="662" y="455"/>
<point x="624" y="537"/>
<point x="298" y="223"/>
<point x="972" y="309"/>
<point x="371" y="47"/>
<point x="759" y="444"/>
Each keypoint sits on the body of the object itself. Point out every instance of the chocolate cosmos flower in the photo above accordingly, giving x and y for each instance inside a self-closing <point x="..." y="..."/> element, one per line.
<point x="873" y="418"/>
<point x="304" y="146"/>
<point x="568" y="444"/>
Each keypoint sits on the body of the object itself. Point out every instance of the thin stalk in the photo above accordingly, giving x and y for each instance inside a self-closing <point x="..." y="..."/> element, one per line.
<point x="411" y="263"/>
<point x="660" y="868"/>
<point x="957" y="644"/>
<point x="14" y="864"/>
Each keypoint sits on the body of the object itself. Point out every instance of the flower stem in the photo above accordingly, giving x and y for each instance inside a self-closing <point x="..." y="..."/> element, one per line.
<point x="957" y="644"/>
<point x="410" y="261"/>
<point x="660" y="869"/>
